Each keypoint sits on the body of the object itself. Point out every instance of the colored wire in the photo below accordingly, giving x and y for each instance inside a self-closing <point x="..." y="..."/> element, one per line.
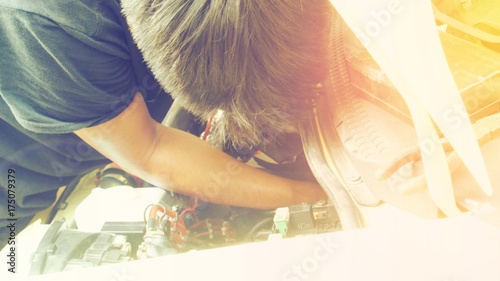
<point x="190" y="209"/>
<point x="207" y="128"/>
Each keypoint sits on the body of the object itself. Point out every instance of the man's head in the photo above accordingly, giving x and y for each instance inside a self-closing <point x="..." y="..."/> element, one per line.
<point x="257" y="60"/>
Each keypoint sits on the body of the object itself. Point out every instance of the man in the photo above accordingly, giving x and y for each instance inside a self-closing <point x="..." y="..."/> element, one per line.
<point x="69" y="74"/>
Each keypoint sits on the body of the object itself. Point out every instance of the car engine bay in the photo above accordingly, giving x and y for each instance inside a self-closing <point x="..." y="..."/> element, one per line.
<point x="358" y="144"/>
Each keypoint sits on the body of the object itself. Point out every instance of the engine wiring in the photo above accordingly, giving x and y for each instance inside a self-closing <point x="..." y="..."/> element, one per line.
<point x="192" y="209"/>
<point x="166" y="228"/>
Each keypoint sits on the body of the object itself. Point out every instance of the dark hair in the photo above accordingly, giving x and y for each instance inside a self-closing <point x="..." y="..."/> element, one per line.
<point x="257" y="60"/>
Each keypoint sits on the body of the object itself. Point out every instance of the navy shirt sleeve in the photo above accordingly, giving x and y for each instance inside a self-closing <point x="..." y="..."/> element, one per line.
<point x="58" y="78"/>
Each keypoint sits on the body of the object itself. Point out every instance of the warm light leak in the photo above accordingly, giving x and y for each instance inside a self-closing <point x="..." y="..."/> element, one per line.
<point x="402" y="38"/>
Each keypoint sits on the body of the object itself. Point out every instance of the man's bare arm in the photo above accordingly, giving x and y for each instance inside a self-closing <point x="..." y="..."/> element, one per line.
<point x="185" y="164"/>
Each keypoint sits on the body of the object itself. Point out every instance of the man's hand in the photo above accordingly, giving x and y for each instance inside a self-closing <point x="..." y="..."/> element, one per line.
<point x="183" y="163"/>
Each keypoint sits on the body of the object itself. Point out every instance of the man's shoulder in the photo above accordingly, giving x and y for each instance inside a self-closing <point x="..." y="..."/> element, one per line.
<point x="84" y="16"/>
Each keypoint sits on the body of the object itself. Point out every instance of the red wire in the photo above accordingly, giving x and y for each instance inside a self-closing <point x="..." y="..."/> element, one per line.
<point x="154" y="210"/>
<point x="190" y="209"/>
<point x="207" y="128"/>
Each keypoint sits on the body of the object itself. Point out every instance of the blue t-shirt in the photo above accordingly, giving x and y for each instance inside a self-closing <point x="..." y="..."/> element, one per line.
<point x="64" y="65"/>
